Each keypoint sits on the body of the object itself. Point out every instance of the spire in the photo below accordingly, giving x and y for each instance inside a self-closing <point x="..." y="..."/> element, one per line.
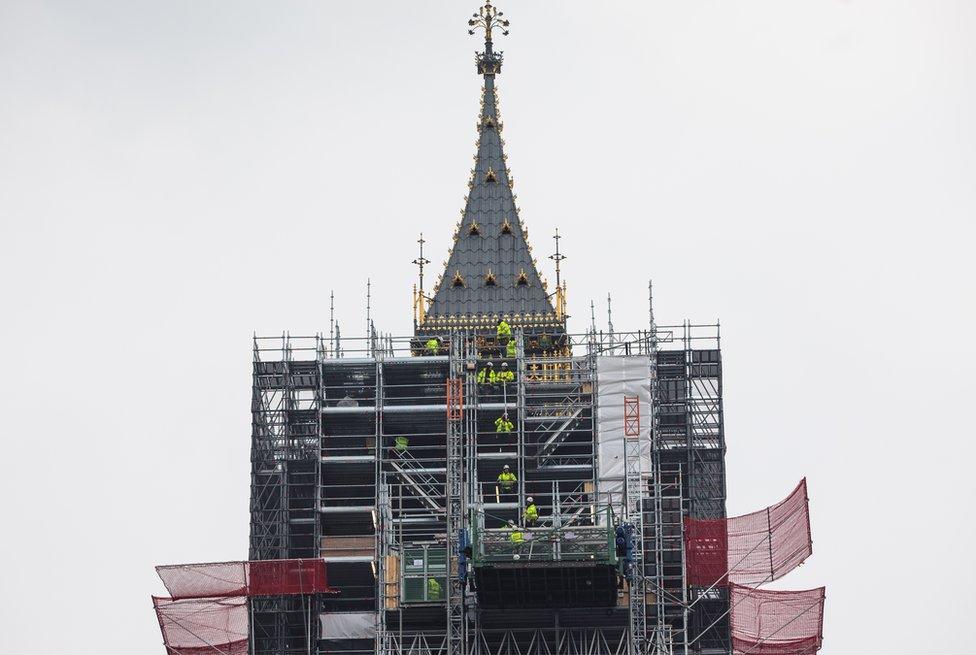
<point x="490" y="271"/>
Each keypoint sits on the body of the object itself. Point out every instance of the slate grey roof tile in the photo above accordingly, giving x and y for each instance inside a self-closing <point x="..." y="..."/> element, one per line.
<point x="506" y="255"/>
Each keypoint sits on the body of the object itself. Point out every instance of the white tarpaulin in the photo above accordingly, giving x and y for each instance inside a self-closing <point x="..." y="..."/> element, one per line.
<point x="348" y="625"/>
<point x="618" y="378"/>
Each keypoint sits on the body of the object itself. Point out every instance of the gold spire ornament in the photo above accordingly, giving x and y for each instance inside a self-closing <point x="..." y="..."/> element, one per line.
<point x="488" y="18"/>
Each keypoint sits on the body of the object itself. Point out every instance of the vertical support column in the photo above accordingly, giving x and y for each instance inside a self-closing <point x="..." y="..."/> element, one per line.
<point x="454" y="492"/>
<point x="663" y="632"/>
<point x="520" y="419"/>
<point x="634" y="493"/>
<point x="381" y="640"/>
<point x="315" y="604"/>
<point x="471" y="471"/>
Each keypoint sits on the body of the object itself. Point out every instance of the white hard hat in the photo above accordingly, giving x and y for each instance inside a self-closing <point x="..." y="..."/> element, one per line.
<point x="505" y="468"/>
<point x="529" y="499"/>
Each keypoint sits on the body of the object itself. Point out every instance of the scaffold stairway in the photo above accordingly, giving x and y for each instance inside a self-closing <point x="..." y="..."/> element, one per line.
<point x="418" y="479"/>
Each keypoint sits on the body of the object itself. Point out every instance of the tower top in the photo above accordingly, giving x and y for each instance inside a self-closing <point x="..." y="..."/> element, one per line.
<point x="488" y="18"/>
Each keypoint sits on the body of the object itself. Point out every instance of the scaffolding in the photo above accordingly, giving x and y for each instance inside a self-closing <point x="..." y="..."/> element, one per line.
<point x="382" y="458"/>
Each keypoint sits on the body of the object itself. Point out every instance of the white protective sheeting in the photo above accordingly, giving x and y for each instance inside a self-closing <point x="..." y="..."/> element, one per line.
<point x="619" y="377"/>
<point x="348" y="625"/>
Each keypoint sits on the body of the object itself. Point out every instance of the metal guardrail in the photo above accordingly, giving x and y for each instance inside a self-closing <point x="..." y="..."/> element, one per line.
<point x="288" y="347"/>
<point x="575" y="543"/>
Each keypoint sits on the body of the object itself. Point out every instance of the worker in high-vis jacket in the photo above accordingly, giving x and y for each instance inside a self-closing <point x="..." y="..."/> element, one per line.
<point x="515" y="536"/>
<point x="401" y="445"/>
<point x="506" y="483"/>
<point x="503" y="331"/>
<point x="503" y="425"/>
<point x="505" y="375"/>
<point x="531" y="515"/>
<point x="487" y="375"/>
<point x="506" y="479"/>
<point x="433" y="589"/>
<point x="510" y="349"/>
<point x="433" y="345"/>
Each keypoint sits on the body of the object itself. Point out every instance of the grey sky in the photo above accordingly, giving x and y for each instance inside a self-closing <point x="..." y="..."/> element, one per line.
<point x="175" y="175"/>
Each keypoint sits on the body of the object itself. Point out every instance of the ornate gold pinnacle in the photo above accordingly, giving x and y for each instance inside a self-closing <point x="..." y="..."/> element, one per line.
<point x="487" y="18"/>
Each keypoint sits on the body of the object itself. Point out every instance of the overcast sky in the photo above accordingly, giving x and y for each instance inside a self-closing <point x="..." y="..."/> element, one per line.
<point x="177" y="175"/>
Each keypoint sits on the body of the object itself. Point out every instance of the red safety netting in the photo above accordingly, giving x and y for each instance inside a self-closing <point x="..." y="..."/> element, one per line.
<point x="776" y="622"/>
<point x="203" y="626"/>
<point x="256" y="578"/>
<point x="287" y="576"/>
<point x="750" y="549"/>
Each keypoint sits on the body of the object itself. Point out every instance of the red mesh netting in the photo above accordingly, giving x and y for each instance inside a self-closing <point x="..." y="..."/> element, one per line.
<point x="776" y="622"/>
<point x="287" y="576"/>
<point x="203" y="626"/>
<point x="204" y="580"/>
<point x="257" y="578"/>
<point x="750" y="549"/>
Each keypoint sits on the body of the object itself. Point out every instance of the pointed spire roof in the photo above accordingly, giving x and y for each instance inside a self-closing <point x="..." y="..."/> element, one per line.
<point x="490" y="271"/>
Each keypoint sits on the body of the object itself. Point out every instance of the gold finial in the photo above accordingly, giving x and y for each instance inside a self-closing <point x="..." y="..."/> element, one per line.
<point x="487" y="18"/>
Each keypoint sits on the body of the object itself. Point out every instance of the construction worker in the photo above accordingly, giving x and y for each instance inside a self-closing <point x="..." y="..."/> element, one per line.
<point x="505" y="375"/>
<point x="400" y="445"/>
<point x="433" y="589"/>
<point x="487" y="375"/>
<point x="515" y="536"/>
<point x="503" y="425"/>
<point x="503" y="331"/>
<point x="510" y="350"/>
<point x="506" y="482"/>
<point x="433" y="345"/>
<point x="531" y="515"/>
